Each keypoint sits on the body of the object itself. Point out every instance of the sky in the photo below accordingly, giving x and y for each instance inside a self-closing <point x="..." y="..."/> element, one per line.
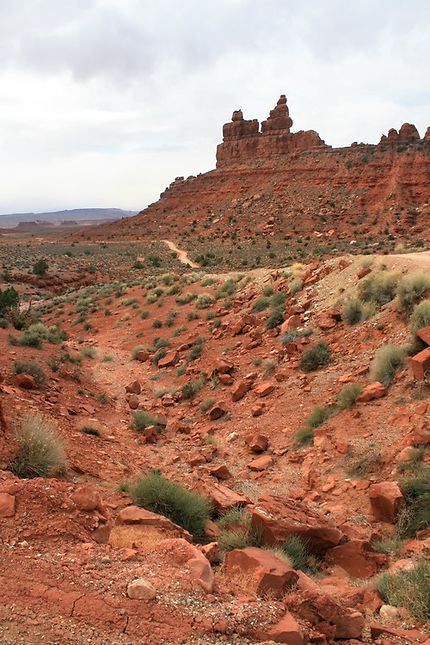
<point x="104" y="102"/>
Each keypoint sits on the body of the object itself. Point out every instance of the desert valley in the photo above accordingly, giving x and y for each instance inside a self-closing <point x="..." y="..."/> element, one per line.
<point x="215" y="414"/>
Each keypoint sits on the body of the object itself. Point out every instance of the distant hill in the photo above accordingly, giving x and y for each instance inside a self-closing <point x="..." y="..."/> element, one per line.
<point x="75" y="217"/>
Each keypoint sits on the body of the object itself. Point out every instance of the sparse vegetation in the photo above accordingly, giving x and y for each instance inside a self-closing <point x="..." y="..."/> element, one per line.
<point x="31" y="368"/>
<point x="160" y="495"/>
<point x="142" y="419"/>
<point x="416" y="491"/>
<point x="388" y="359"/>
<point x="317" y="356"/>
<point x="379" y="287"/>
<point x="40" y="449"/>
<point x="410" y="290"/>
<point x="348" y="396"/>
<point x="409" y="589"/>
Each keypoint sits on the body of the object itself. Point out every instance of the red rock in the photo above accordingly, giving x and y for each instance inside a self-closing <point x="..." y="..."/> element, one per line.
<point x="356" y="558"/>
<point x="286" y="631"/>
<point x="264" y="389"/>
<point x="277" y="518"/>
<point x="133" y="401"/>
<point x="261" y="463"/>
<point x="408" y="132"/>
<point x="86" y="498"/>
<point x="212" y="552"/>
<point x="259" y="443"/>
<point x="411" y="635"/>
<point x="169" y="360"/>
<point x="239" y="390"/>
<point x="134" y="515"/>
<point x="420" y="364"/>
<point x="7" y="505"/>
<point x="141" y="589"/>
<point x="292" y="322"/>
<point x="386" y="500"/>
<point x="223" y="366"/>
<point x="217" y="411"/>
<point x="225" y="379"/>
<point x="188" y="557"/>
<point x="361" y="273"/>
<point x="25" y="381"/>
<point x="372" y="391"/>
<point x="258" y="410"/>
<point x="133" y="388"/>
<point x="424" y="334"/>
<point x="326" y="615"/>
<point x="222" y="498"/>
<point x="220" y="471"/>
<point x="269" y="573"/>
<point x="142" y="355"/>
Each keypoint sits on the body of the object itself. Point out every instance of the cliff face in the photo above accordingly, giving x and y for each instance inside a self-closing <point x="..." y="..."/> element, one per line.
<point x="301" y="181"/>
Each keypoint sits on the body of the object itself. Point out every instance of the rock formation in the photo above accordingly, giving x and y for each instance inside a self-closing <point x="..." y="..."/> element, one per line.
<point x="244" y="143"/>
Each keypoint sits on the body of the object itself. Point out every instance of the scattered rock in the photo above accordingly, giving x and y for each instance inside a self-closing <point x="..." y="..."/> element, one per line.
<point x="386" y="500"/>
<point x="141" y="589"/>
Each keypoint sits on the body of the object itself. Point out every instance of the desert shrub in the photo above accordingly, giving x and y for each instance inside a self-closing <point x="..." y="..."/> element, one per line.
<point x="261" y="304"/>
<point x="388" y="359"/>
<point x="227" y="289"/>
<point x="362" y="465"/>
<point x="88" y="352"/>
<point x="9" y="299"/>
<point x="40" y="449"/>
<point x="391" y="546"/>
<point x="315" y="357"/>
<point x="196" y="349"/>
<point x="416" y="491"/>
<point x="90" y="430"/>
<point x="189" y="390"/>
<point x="204" y="300"/>
<point x="276" y="318"/>
<point x="351" y="311"/>
<point x="236" y="530"/>
<point x="157" y="324"/>
<point x="296" y="285"/>
<point x="410" y="290"/>
<point x="188" y="509"/>
<point x="207" y="404"/>
<point x="36" y="334"/>
<point x="420" y="318"/>
<point x="3" y="323"/>
<point x="186" y="298"/>
<point x="40" y="267"/>
<point x="409" y="589"/>
<point x="31" y="368"/>
<point x="278" y="299"/>
<point x="142" y="419"/>
<point x="136" y="350"/>
<point x="348" y="396"/>
<point x="296" y="550"/>
<point x="378" y="287"/>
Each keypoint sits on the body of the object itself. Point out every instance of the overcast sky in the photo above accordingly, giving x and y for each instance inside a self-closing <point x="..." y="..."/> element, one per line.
<point x="104" y="102"/>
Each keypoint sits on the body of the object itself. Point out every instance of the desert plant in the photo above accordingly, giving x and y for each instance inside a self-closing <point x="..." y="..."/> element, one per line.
<point x="408" y="588"/>
<point x="388" y="359"/>
<point x="410" y="290"/>
<point x="352" y="311"/>
<point x="135" y="351"/>
<point x="40" y="449"/>
<point x="420" y="318"/>
<point x="204" y="300"/>
<point x="40" y="267"/>
<point x="142" y="419"/>
<point x="9" y="299"/>
<point x="379" y="287"/>
<point x="36" y="334"/>
<point x="315" y="357"/>
<point x="160" y="495"/>
<point x="207" y="404"/>
<point x="261" y="304"/>
<point x="348" y="396"/>
<point x="276" y="318"/>
<point x="416" y="491"/>
<point x="196" y="349"/>
<point x="31" y="368"/>
<point x="296" y="550"/>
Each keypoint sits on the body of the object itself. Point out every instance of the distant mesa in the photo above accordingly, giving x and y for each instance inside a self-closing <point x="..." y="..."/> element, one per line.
<point x="66" y="218"/>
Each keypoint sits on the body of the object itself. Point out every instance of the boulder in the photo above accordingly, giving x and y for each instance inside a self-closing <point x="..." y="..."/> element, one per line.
<point x="277" y="518"/>
<point x="169" y="360"/>
<point x="264" y="389"/>
<point x="217" y="411"/>
<point x="142" y="355"/>
<point x="86" y="498"/>
<point x="133" y="401"/>
<point x="386" y="500"/>
<point x="187" y="556"/>
<point x="268" y="573"/>
<point x="259" y="443"/>
<point x="286" y="631"/>
<point x="239" y="390"/>
<point x="137" y="527"/>
<point x="220" y="471"/>
<point x="261" y="463"/>
<point x="7" y="505"/>
<point x="372" y="391"/>
<point x="221" y="497"/>
<point x="326" y="615"/>
<point x="133" y="388"/>
<point x="25" y="382"/>
<point x="141" y="589"/>
<point x="356" y="558"/>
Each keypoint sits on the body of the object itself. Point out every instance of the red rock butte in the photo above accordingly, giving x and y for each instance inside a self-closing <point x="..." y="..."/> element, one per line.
<point x="242" y="139"/>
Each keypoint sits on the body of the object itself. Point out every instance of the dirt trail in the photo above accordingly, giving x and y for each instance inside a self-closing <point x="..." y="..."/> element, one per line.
<point x="182" y="255"/>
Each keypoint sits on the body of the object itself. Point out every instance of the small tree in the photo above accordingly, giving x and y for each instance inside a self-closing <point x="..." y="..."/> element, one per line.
<point x="40" y="267"/>
<point x="9" y="299"/>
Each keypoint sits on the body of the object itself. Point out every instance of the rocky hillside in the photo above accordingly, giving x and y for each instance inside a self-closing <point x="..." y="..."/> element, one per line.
<point x="294" y="191"/>
<point x="219" y="458"/>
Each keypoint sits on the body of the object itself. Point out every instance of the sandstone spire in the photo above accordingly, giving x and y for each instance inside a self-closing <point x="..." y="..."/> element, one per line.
<point x="279" y="118"/>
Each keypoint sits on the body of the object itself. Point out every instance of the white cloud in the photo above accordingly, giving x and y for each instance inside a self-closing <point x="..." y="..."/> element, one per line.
<point x="104" y="102"/>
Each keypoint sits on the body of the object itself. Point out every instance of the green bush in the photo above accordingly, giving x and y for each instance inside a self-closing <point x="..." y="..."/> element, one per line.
<point x="315" y="357"/>
<point x="136" y="350"/>
<point x="204" y="301"/>
<point x="297" y="553"/>
<point x="40" y="267"/>
<point x="9" y="299"/>
<point x="388" y="359"/>
<point x="276" y="318"/>
<point x="410" y="290"/>
<point x="352" y="311"/>
<point x="188" y="509"/>
<point x="409" y="589"/>
<point x="142" y="419"/>
<point x="416" y="491"/>
<point x="420" y="318"/>
<point x="318" y="416"/>
<point x="348" y="396"/>
<point x="236" y="530"/>
<point x="37" y="333"/>
<point x="261" y="304"/>
<point x="378" y="287"/>
<point x="31" y="368"/>
<point x="40" y="449"/>
<point x="196" y="349"/>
